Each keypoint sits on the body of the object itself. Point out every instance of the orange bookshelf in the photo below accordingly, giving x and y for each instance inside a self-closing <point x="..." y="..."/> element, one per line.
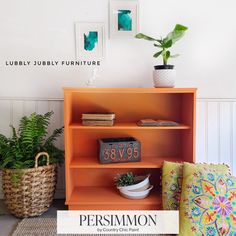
<point x="89" y="184"/>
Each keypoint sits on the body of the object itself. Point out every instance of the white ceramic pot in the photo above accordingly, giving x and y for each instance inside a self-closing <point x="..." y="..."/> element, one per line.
<point x="164" y="78"/>
<point x="142" y="184"/>
<point x="134" y="194"/>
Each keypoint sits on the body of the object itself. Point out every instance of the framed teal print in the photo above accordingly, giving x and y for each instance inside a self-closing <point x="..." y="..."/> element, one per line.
<point x="90" y="40"/>
<point x="123" y="18"/>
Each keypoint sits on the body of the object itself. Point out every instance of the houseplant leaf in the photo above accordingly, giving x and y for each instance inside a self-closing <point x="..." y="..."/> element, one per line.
<point x="19" y="151"/>
<point x="143" y="36"/>
<point x="179" y="27"/>
<point x="167" y="43"/>
<point x="176" y="34"/>
<point x="157" y="45"/>
<point x="157" y="54"/>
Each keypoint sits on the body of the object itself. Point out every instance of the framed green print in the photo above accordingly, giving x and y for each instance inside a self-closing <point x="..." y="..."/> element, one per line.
<point x="90" y="40"/>
<point x="124" y="18"/>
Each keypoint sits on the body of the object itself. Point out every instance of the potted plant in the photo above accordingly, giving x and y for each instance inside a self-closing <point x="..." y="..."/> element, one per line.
<point x="29" y="161"/>
<point x="133" y="186"/>
<point x="164" y="75"/>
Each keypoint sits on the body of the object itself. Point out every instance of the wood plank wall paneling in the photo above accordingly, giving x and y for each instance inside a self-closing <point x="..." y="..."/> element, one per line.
<point x="216" y="131"/>
<point x="216" y="128"/>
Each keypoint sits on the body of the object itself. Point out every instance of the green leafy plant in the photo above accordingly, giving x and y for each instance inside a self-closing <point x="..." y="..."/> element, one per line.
<point x="125" y="179"/>
<point x="166" y="43"/>
<point x="19" y="151"/>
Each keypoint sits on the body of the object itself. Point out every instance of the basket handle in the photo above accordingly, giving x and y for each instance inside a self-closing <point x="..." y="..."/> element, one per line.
<point x="39" y="155"/>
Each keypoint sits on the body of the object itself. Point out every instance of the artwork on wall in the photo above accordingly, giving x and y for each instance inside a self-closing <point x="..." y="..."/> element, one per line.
<point x="90" y="40"/>
<point x="124" y="18"/>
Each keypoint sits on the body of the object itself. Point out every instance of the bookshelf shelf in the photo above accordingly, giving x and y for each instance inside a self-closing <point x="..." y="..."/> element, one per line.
<point x="128" y="126"/>
<point x="89" y="184"/>
<point x="109" y="196"/>
<point x="92" y="163"/>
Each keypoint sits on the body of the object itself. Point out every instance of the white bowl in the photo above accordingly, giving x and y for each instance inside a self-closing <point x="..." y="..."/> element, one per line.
<point x="142" y="185"/>
<point x="136" y="194"/>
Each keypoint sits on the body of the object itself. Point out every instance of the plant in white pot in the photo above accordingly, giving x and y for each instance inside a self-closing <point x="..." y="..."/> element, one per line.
<point x="164" y="75"/>
<point x="133" y="186"/>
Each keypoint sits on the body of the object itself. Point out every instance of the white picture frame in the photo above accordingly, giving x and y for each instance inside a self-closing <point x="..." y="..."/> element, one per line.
<point x="123" y="18"/>
<point x="90" y="40"/>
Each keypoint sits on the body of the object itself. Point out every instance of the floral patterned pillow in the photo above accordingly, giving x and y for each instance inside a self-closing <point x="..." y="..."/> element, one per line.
<point x="172" y="175"/>
<point x="171" y="185"/>
<point x="208" y="206"/>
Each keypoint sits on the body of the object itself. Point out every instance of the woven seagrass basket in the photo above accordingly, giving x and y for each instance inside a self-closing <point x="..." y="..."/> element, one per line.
<point x="33" y="192"/>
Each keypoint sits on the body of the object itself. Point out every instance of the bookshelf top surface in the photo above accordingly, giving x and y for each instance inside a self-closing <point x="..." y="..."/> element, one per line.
<point x="130" y="90"/>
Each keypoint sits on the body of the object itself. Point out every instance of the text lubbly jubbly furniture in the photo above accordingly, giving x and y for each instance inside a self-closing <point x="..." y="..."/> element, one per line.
<point x="89" y="184"/>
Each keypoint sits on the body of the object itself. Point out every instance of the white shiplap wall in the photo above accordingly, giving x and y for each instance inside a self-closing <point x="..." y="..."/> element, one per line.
<point x="216" y="127"/>
<point x="216" y="131"/>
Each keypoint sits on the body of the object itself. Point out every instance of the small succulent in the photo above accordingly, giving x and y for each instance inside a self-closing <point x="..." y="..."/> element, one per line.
<point x="126" y="179"/>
